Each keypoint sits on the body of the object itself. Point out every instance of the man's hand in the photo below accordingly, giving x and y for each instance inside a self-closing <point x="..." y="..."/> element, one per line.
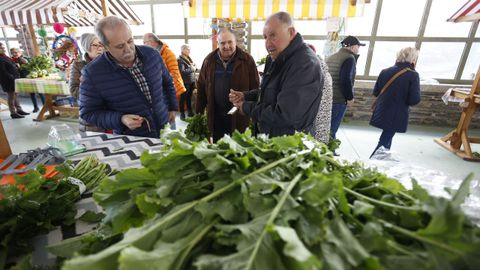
<point x="350" y="102"/>
<point x="236" y="96"/>
<point x="132" y="121"/>
<point x="171" y="117"/>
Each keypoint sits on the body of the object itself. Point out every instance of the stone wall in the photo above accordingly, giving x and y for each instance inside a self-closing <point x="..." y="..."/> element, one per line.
<point x="239" y="28"/>
<point x="431" y="110"/>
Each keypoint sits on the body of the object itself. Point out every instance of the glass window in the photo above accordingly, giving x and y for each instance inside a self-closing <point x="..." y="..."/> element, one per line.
<point x="478" y="32"/>
<point x="146" y="27"/>
<point x="257" y="27"/>
<point x="439" y="60"/>
<point x="258" y="50"/>
<point x="199" y="49"/>
<point x="174" y="45"/>
<point x="473" y="63"/>
<point x="362" y="59"/>
<point x="384" y="55"/>
<point x="309" y="27"/>
<point x="401" y="18"/>
<point x="199" y="26"/>
<point x="168" y="19"/>
<point x="437" y="25"/>
<point x="10" y="32"/>
<point x="362" y="26"/>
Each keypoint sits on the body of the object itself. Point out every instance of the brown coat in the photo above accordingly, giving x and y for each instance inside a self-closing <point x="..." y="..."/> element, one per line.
<point x="244" y="78"/>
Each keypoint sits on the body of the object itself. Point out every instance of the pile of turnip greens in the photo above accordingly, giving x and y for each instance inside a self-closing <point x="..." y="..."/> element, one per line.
<point x="258" y="203"/>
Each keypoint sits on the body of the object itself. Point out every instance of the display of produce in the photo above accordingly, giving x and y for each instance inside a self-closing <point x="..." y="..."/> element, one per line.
<point x="34" y="204"/>
<point x="259" y="203"/>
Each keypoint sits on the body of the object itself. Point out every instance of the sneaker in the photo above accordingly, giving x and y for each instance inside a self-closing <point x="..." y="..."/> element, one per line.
<point x="182" y="116"/>
<point x="22" y="112"/>
<point x="35" y="110"/>
<point x="16" y="116"/>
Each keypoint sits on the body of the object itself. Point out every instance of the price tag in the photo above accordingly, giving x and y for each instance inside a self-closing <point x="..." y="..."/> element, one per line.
<point x="77" y="182"/>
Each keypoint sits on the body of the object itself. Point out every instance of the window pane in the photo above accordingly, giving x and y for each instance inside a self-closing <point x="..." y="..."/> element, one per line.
<point x="11" y="32"/>
<point x="174" y="45"/>
<point x="200" y="48"/>
<point x="257" y="27"/>
<point x="439" y="60"/>
<point x="168" y="19"/>
<point x="478" y="32"/>
<point x="199" y="26"/>
<point x="362" y="59"/>
<point x="473" y="62"/>
<point x="310" y="27"/>
<point x="438" y="26"/>
<point x="146" y="27"/>
<point x="401" y="18"/>
<point x="318" y="44"/>
<point x="258" y="50"/>
<point x="385" y="54"/>
<point x="362" y="26"/>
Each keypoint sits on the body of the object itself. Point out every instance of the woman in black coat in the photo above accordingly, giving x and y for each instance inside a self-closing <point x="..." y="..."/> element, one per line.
<point x="393" y="105"/>
<point x="8" y="74"/>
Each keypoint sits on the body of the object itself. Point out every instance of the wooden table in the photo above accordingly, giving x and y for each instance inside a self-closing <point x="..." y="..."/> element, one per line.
<point x="50" y="88"/>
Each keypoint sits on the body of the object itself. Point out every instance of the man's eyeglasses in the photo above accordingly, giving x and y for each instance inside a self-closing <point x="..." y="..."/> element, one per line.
<point x="94" y="45"/>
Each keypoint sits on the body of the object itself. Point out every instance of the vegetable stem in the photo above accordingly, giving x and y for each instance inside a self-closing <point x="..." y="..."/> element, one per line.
<point x="271" y="219"/>
<point x="378" y="202"/>
<point x="419" y="237"/>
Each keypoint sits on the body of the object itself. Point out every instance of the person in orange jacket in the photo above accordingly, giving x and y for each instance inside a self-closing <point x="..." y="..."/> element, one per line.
<point x="152" y="40"/>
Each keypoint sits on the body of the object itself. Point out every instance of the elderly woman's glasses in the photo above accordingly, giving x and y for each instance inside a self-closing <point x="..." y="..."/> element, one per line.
<point x="96" y="46"/>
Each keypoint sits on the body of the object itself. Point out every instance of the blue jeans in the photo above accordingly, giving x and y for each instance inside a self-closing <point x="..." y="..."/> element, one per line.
<point x="338" y="111"/>
<point x="385" y="140"/>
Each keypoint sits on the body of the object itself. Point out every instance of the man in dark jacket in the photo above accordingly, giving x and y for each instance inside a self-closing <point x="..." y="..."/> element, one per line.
<point x="292" y="83"/>
<point x="123" y="88"/>
<point x="227" y="67"/>
<point x="342" y="67"/>
<point x="8" y="74"/>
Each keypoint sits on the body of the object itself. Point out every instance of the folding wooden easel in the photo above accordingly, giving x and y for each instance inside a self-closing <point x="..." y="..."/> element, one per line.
<point x="458" y="141"/>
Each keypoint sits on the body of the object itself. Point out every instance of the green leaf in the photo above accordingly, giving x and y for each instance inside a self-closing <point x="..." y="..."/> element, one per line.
<point x="91" y="217"/>
<point x="362" y="208"/>
<point x="446" y="220"/>
<point x="346" y="245"/>
<point x="463" y="191"/>
<point x="296" y="249"/>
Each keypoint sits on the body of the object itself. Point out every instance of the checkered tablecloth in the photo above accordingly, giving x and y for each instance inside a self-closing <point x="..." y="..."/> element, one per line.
<point x="43" y="86"/>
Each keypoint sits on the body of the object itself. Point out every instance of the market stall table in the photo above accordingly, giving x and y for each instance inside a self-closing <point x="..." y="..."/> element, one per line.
<point x="119" y="152"/>
<point x="50" y="88"/>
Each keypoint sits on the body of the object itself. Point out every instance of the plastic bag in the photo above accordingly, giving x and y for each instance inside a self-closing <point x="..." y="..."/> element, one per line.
<point x="63" y="138"/>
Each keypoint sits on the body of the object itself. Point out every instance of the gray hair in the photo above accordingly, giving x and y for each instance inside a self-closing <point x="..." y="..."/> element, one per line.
<point x="407" y="55"/>
<point x="283" y="17"/>
<point x="154" y="37"/>
<point x="184" y="46"/>
<point x="86" y="40"/>
<point x="109" y="22"/>
<point x="226" y="30"/>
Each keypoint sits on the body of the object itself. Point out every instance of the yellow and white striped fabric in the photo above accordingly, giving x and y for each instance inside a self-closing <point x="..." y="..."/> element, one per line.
<point x="261" y="9"/>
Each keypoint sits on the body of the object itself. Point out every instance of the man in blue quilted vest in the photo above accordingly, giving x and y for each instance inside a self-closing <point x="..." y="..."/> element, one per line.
<point x="127" y="88"/>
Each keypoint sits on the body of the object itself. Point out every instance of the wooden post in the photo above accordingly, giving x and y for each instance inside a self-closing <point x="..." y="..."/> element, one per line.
<point x="33" y="37"/>
<point x="105" y="8"/>
<point x="5" y="150"/>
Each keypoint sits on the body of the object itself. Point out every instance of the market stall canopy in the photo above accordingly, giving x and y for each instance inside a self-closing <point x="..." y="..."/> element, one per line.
<point x="261" y="9"/>
<point x="470" y="12"/>
<point x="68" y="12"/>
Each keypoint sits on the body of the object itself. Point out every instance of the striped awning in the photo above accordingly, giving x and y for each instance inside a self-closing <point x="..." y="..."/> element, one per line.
<point x="261" y="9"/>
<point x="469" y="12"/>
<point x="68" y="12"/>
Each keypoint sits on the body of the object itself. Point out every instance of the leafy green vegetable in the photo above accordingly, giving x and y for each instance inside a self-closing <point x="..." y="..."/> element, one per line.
<point x="36" y="204"/>
<point x="259" y="203"/>
<point x="197" y="128"/>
